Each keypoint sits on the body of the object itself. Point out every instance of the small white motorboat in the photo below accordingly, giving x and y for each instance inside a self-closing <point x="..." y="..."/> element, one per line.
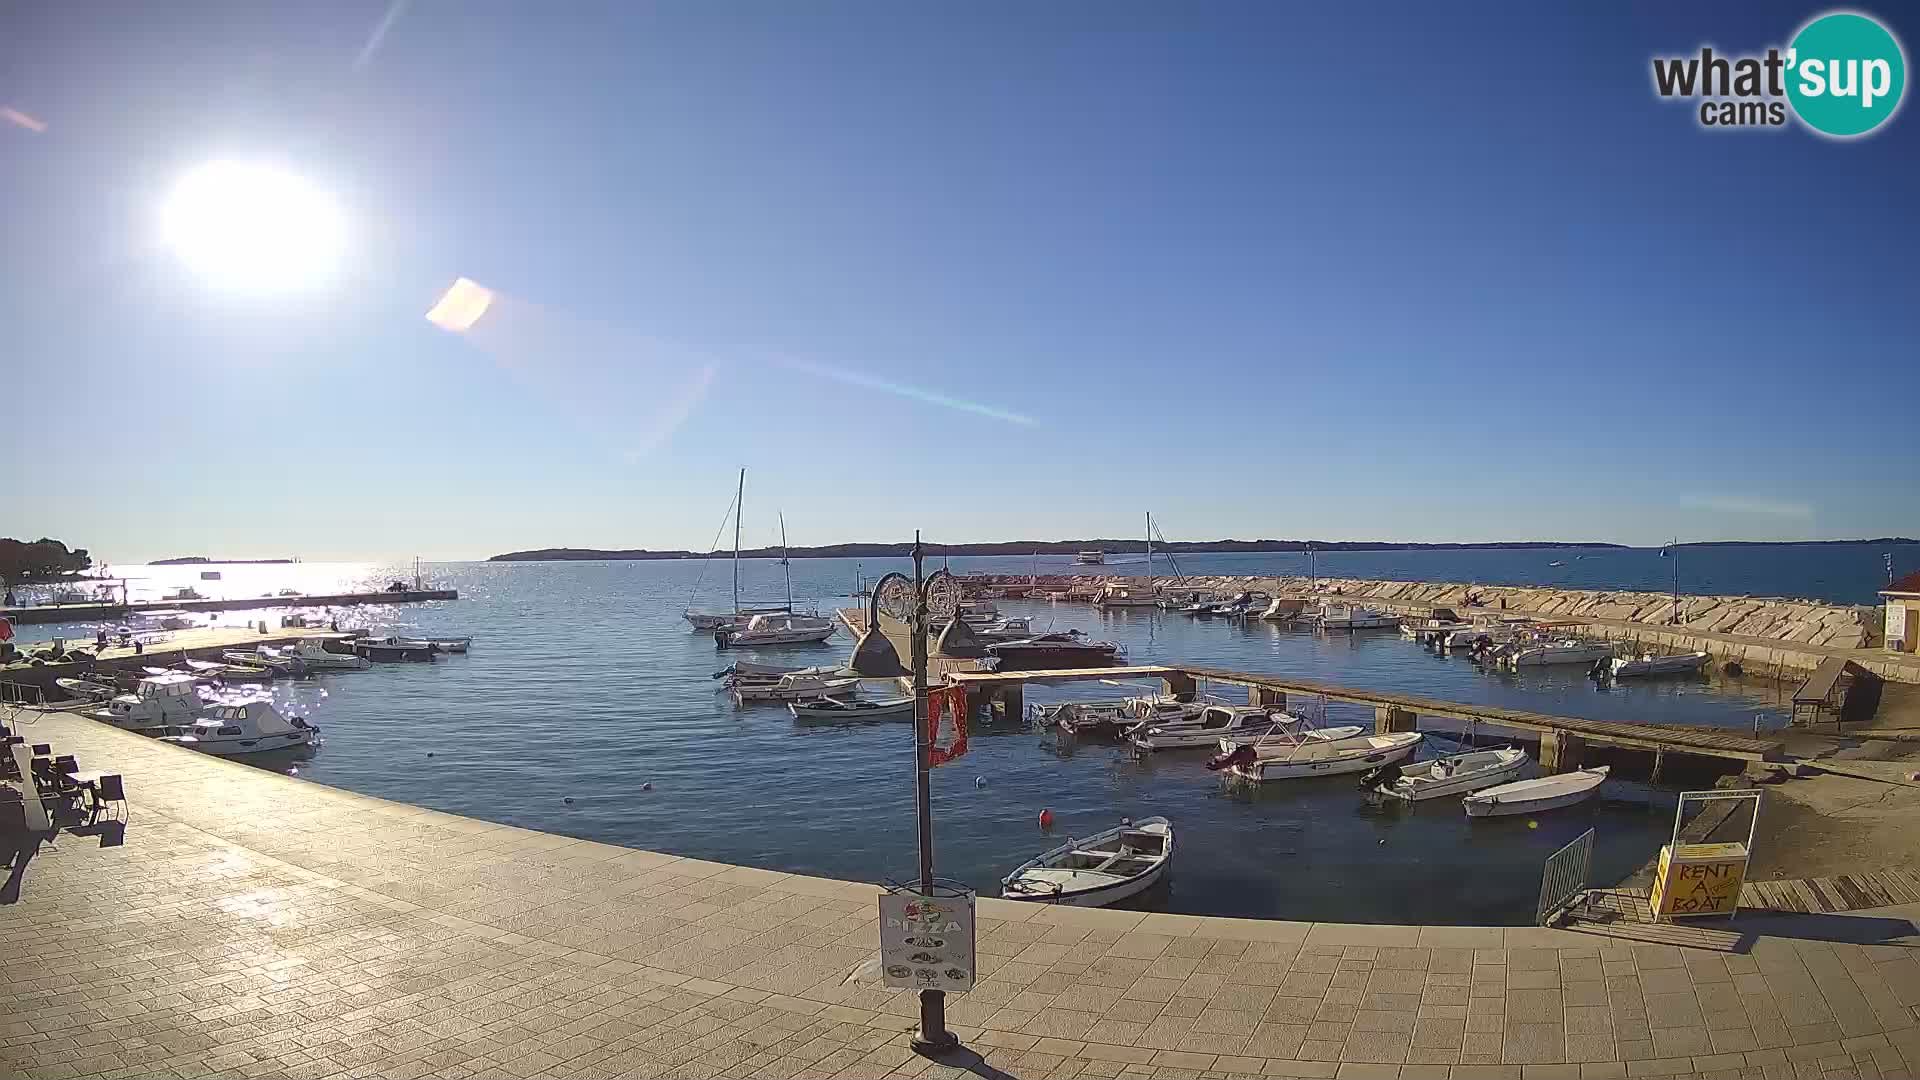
<point x="1348" y="617"/>
<point x="314" y="657"/>
<point x="1563" y="651"/>
<point x="727" y="620"/>
<point x="835" y="710"/>
<point x="793" y="688"/>
<point x="1071" y="649"/>
<point x="266" y="658"/>
<point x="1535" y="795"/>
<point x="1189" y="728"/>
<point x="1455" y="774"/>
<point x="1014" y="628"/>
<point x="252" y="727"/>
<point x="87" y="689"/>
<point x="1285" y="754"/>
<point x="782" y="629"/>
<point x="158" y="701"/>
<point x="1649" y="664"/>
<point x="208" y="669"/>
<point x="1099" y="870"/>
<point x="749" y="669"/>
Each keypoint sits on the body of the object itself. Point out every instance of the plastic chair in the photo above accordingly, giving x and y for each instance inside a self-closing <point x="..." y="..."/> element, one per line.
<point x="107" y="789"/>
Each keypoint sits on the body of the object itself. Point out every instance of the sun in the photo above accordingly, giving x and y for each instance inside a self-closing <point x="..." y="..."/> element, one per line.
<point x="253" y="226"/>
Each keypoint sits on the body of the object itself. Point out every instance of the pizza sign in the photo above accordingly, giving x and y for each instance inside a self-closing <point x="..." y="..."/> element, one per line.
<point x="926" y="943"/>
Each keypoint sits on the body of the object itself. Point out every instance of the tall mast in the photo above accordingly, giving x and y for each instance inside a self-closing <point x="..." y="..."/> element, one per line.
<point x="1149" y="549"/>
<point x="788" y="570"/>
<point x="739" y="505"/>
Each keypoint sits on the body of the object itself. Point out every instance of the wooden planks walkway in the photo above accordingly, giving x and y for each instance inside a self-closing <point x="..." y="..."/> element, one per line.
<point x="1702" y="742"/>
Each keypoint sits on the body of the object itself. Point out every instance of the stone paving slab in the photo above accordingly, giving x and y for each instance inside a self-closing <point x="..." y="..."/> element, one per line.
<point x="255" y="925"/>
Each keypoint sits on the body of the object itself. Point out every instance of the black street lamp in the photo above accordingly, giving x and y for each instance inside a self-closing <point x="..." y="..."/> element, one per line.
<point x="914" y="601"/>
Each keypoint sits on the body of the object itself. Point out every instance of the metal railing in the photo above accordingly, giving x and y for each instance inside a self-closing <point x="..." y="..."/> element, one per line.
<point x="1564" y="878"/>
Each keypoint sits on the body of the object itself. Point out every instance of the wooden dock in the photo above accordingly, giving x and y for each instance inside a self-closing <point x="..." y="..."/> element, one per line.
<point x="61" y="613"/>
<point x="1393" y="711"/>
<point x="200" y="643"/>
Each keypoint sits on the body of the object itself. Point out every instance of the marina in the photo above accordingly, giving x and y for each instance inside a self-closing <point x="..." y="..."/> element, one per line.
<point x="661" y="727"/>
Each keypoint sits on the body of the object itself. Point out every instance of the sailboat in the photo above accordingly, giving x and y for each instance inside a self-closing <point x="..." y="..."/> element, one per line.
<point x="738" y="618"/>
<point x="783" y="627"/>
<point x="1131" y="593"/>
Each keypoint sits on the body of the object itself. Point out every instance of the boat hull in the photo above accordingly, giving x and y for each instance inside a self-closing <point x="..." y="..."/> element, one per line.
<point x="1053" y="657"/>
<point x="1262" y="770"/>
<point x="1112" y="891"/>
<point x="1490" y="803"/>
<point x="238" y="747"/>
<point x="1462" y="784"/>
<point x="741" y="639"/>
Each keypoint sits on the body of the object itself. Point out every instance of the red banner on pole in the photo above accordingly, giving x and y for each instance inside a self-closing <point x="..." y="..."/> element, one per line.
<point x="940" y="701"/>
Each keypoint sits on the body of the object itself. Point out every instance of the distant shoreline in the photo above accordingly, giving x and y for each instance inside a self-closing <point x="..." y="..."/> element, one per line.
<point x="202" y="560"/>
<point x="1120" y="547"/>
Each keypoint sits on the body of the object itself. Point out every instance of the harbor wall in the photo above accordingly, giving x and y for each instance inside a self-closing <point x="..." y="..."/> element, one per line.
<point x="1777" y="636"/>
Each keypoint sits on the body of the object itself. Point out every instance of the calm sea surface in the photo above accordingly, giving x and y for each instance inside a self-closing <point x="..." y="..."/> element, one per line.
<point x="585" y="683"/>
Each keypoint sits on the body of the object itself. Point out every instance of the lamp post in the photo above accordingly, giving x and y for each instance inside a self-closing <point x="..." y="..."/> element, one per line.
<point x="915" y="602"/>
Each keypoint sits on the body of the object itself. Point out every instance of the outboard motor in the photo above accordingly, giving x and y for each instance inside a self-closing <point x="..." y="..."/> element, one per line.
<point x="1599" y="670"/>
<point x="1243" y="754"/>
<point x="1381" y="777"/>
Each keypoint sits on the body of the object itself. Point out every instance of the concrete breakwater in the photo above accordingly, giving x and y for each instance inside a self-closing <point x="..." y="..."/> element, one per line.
<point x="1785" y="620"/>
<point x="1778" y="636"/>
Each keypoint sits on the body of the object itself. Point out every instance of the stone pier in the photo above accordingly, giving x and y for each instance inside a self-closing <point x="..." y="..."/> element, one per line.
<point x="249" y="924"/>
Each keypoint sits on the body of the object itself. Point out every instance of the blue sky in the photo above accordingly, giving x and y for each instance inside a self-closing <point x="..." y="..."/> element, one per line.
<point x="997" y="271"/>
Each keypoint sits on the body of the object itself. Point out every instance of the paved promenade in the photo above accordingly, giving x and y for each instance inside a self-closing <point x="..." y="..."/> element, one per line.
<point x="254" y="925"/>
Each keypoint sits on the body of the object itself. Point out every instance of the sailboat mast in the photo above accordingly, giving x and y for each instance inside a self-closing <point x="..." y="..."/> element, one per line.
<point x="784" y="568"/>
<point x="739" y="505"/>
<point x="1149" y="549"/>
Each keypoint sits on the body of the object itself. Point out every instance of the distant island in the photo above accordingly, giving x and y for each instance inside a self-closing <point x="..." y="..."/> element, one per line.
<point x="1026" y="547"/>
<point x="195" y="560"/>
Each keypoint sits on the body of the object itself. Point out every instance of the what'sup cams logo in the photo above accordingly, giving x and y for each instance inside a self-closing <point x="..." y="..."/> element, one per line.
<point x="1843" y="76"/>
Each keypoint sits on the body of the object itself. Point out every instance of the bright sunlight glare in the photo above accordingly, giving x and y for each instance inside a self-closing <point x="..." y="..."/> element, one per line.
<point x="252" y="226"/>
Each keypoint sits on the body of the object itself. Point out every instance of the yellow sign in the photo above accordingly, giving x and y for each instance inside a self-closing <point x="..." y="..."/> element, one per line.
<point x="1700" y="879"/>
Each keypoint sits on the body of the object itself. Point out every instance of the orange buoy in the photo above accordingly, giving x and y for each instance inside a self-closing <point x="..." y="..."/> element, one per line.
<point x="1046" y="819"/>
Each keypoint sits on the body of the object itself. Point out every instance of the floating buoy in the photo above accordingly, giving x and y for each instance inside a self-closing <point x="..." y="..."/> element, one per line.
<point x="1046" y="819"/>
<point x="979" y="781"/>
<point x="295" y="771"/>
<point x="568" y="800"/>
<point x="648" y="786"/>
<point x="1383" y="840"/>
<point x="1533" y="824"/>
<point x="429" y="753"/>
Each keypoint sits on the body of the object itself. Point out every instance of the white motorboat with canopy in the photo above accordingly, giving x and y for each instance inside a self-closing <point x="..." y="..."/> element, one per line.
<point x="1102" y="869"/>
<point x="158" y="701"/>
<point x="1620" y="667"/>
<point x="251" y="727"/>
<point x="1536" y="795"/>
<point x="1455" y="774"/>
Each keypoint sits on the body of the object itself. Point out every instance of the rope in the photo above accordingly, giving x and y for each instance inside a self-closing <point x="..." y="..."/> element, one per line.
<point x="716" y="539"/>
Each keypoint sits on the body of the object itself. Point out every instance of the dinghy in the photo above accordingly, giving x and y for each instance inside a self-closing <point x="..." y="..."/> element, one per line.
<point x="1099" y="870"/>
<point x="1649" y="664"/>
<point x="833" y="710"/>
<point x="87" y="689"/>
<point x="1540" y="793"/>
<point x="793" y="688"/>
<point x="1456" y="774"/>
<point x="749" y="668"/>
